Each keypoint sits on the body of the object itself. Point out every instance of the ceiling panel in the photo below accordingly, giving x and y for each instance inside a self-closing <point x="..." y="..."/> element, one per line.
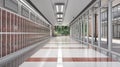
<point x="73" y="8"/>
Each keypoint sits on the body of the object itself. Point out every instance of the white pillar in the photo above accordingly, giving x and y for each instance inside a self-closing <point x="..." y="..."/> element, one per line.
<point x="81" y="29"/>
<point x="84" y="28"/>
<point x="109" y="24"/>
<point x="93" y="24"/>
<point x="50" y="31"/>
<point x="87" y="28"/>
<point x="99" y="24"/>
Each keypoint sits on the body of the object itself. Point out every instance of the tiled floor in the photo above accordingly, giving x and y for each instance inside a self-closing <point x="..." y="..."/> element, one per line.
<point x="65" y="52"/>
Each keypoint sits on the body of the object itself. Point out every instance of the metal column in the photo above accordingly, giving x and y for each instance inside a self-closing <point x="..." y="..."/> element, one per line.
<point x="81" y="29"/>
<point x="109" y="24"/>
<point x="93" y="21"/>
<point x="84" y="28"/>
<point x="87" y="29"/>
<point x="50" y="31"/>
<point x="99" y="23"/>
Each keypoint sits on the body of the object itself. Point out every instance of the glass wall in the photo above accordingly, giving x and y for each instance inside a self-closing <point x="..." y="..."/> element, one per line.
<point x="79" y="28"/>
<point x="86" y="26"/>
<point x="116" y="26"/>
<point x="104" y="24"/>
<point x="99" y="25"/>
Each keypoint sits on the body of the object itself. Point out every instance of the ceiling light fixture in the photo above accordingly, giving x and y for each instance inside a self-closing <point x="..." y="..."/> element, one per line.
<point x="62" y="8"/>
<point x="59" y="10"/>
<point x="59" y="7"/>
<point x="60" y="20"/>
<point x="59" y="15"/>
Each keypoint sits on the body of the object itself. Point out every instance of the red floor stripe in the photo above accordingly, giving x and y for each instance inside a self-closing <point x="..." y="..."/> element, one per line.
<point x="87" y="60"/>
<point x="41" y="59"/>
<point x="70" y="60"/>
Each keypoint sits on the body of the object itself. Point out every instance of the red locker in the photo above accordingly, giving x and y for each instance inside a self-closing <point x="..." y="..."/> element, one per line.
<point x="8" y="22"/>
<point x="25" y="26"/>
<point x="16" y="30"/>
<point x="16" y="23"/>
<point x="4" y="47"/>
<point x="16" y="45"/>
<point x="22" y="25"/>
<point x="8" y="44"/>
<point x="19" y="31"/>
<point x="12" y="22"/>
<point x="4" y="40"/>
<point x="12" y="35"/>
<point x="12" y="43"/>
<point x="23" y="40"/>
<point x="4" y="21"/>
<point x="19" y="24"/>
<point x="19" y="41"/>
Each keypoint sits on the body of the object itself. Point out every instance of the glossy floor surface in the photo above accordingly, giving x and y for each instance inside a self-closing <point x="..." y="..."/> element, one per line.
<point x="65" y="52"/>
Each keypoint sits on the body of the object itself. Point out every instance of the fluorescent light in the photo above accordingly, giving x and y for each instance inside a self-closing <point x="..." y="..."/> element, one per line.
<point x="62" y="8"/>
<point x="57" y="8"/>
<point x="59" y="20"/>
<point x="58" y="15"/>
<point x="61" y="16"/>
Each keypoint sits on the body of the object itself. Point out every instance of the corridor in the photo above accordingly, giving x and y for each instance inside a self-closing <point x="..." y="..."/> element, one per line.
<point x="59" y="33"/>
<point x="62" y="51"/>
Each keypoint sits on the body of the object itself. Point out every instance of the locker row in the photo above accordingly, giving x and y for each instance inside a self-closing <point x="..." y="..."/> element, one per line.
<point x="17" y="32"/>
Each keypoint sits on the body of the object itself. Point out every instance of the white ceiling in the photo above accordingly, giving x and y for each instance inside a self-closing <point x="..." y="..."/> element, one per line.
<point x="74" y="7"/>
